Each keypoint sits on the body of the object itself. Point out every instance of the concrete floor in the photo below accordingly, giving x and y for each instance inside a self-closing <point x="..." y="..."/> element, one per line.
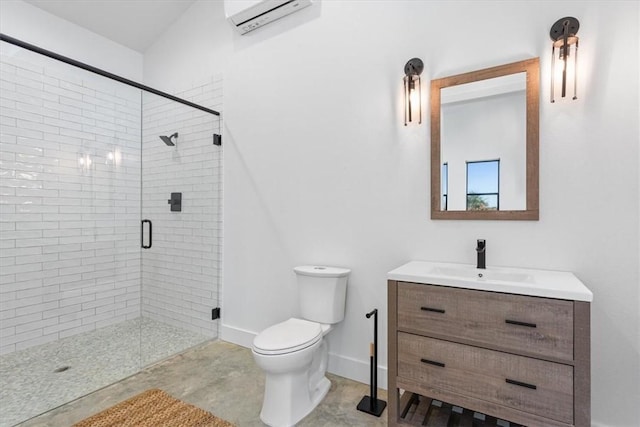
<point x="221" y="378"/>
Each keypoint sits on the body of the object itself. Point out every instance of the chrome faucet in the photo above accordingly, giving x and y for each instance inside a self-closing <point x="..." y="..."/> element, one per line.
<point x="481" y="249"/>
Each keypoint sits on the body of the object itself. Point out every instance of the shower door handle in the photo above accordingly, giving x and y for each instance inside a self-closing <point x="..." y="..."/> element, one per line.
<point x="142" y="234"/>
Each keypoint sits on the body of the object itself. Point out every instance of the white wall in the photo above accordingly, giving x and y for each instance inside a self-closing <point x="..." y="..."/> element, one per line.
<point x="193" y="50"/>
<point x="320" y="169"/>
<point x="32" y="25"/>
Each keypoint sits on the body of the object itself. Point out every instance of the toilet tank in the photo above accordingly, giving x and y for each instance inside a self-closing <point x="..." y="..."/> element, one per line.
<point x="322" y="292"/>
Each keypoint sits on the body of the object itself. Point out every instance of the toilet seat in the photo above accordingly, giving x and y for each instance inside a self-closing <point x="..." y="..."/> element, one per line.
<point x="287" y="337"/>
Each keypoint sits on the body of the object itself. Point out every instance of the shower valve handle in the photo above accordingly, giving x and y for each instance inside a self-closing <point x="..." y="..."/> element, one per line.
<point x="176" y="202"/>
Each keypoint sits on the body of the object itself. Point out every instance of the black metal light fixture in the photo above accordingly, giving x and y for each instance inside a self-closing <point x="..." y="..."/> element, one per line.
<point x="563" y="33"/>
<point x="412" y="91"/>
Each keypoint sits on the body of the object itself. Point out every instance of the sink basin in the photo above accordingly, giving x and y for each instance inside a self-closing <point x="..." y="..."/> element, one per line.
<point x="543" y="283"/>
<point x="470" y="272"/>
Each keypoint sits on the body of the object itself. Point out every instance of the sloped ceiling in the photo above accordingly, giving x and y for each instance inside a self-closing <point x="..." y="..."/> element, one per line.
<point x="132" y="23"/>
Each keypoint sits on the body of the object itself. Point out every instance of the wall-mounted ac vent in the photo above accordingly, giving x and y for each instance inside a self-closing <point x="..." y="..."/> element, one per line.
<point x="247" y="15"/>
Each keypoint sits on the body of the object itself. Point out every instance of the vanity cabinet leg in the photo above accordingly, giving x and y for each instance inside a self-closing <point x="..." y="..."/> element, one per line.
<point x="582" y="369"/>
<point x="392" y="353"/>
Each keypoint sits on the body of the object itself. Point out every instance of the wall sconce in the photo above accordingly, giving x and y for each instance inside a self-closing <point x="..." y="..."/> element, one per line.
<point x="563" y="33"/>
<point x="412" y="91"/>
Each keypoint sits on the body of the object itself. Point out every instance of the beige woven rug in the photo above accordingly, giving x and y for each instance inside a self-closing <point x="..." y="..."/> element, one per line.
<point x="153" y="408"/>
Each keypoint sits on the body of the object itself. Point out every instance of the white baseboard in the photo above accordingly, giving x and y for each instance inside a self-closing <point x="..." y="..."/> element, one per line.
<point x="348" y="367"/>
<point x="356" y="370"/>
<point x="237" y="336"/>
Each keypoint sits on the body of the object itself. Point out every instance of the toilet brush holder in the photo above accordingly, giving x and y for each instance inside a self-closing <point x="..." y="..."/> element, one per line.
<point x="371" y="404"/>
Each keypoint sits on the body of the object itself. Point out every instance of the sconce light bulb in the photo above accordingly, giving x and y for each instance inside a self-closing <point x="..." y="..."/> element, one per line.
<point x="414" y="96"/>
<point x="559" y="66"/>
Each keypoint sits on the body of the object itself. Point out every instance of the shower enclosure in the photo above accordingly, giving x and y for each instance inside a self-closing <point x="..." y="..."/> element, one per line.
<point x="102" y="272"/>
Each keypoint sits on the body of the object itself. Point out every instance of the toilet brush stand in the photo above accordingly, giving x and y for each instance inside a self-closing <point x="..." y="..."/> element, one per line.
<point x="371" y="404"/>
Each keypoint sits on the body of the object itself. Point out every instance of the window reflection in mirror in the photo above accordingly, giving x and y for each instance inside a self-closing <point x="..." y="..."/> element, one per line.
<point x="445" y="185"/>
<point x="483" y="185"/>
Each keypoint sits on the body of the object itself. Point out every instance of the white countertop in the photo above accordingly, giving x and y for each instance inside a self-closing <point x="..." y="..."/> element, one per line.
<point x="539" y="283"/>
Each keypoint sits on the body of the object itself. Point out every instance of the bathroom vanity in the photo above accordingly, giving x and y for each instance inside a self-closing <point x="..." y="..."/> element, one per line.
<point x="510" y="343"/>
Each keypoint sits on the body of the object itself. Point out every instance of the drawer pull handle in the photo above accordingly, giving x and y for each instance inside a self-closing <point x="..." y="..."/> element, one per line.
<point x="515" y="322"/>
<point x="521" y="384"/>
<point x="432" y="362"/>
<point x="435" y="310"/>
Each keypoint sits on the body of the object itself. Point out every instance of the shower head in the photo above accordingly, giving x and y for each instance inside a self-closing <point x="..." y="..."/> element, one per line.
<point x="168" y="139"/>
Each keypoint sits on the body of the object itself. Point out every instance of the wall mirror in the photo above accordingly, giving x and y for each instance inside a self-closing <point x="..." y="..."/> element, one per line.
<point x="484" y="143"/>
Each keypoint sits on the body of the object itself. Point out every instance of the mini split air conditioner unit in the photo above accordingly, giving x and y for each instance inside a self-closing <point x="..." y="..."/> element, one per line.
<point x="247" y="15"/>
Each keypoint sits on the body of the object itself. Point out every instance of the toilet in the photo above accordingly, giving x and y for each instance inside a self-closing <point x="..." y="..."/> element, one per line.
<point x="293" y="353"/>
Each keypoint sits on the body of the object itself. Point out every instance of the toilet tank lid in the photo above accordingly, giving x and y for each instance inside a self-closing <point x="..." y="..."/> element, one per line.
<point x="321" y="271"/>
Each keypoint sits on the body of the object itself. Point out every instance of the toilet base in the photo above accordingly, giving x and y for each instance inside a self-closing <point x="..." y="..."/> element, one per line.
<point x="321" y="391"/>
<point x="295" y="383"/>
<point x="284" y="405"/>
<point x="289" y="396"/>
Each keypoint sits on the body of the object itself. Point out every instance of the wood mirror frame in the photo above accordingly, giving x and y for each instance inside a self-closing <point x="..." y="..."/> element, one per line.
<point x="532" y="69"/>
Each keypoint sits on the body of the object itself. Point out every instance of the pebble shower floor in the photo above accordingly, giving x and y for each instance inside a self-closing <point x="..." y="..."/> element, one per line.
<point x="38" y="379"/>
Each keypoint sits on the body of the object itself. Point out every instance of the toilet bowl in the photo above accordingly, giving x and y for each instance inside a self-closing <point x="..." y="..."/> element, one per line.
<point x="293" y="354"/>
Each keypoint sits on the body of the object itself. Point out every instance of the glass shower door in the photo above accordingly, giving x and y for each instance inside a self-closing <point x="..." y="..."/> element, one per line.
<point x="181" y="247"/>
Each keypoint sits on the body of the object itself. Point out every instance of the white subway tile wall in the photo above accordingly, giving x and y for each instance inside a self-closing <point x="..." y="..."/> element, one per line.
<point x="70" y="204"/>
<point x="69" y="201"/>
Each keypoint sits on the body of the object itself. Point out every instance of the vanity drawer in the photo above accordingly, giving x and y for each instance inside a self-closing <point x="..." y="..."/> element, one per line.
<point x="533" y="325"/>
<point x="531" y="385"/>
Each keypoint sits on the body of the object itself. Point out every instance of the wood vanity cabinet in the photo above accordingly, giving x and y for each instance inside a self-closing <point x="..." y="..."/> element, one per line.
<point x="524" y="359"/>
